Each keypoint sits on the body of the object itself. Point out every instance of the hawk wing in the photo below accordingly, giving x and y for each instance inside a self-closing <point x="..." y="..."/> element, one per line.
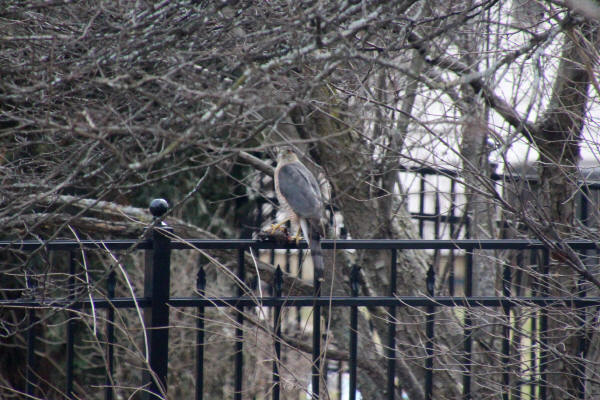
<point x="300" y="189"/>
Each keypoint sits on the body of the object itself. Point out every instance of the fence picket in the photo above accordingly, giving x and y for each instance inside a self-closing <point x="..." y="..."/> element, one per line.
<point x="156" y="298"/>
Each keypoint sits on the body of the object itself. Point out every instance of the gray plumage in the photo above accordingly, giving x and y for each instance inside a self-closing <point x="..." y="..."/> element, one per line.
<point x="300" y="190"/>
<point x="300" y="198"/>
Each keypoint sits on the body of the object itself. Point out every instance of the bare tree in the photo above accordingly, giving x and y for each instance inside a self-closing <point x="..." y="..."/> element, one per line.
<point x="104" y="105"/>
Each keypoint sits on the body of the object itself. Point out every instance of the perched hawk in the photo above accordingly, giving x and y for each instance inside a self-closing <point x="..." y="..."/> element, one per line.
<point x="300" y="198"/>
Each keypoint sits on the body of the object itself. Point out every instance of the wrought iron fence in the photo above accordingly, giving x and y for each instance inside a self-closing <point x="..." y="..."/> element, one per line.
<point x="156" y="305"/>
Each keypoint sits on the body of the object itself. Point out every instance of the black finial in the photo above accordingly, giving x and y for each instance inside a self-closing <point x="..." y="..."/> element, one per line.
<point x="158" y="207"/>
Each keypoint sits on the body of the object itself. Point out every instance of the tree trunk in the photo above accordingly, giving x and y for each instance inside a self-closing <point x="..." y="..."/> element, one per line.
<point x="346" y="168"/>
<point x="558" y="142"/>
<point x="480" y="210"/>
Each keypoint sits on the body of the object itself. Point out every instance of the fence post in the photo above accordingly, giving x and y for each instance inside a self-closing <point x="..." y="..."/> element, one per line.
<point x="506" y="293"/>
<point x="31" y="378"/>
<point x="200" y="287"/>
<point x="277" y="322"/>
<point x="429" y="330"/>
<point x="583" y="312"/>
<point x="391" y="350"/>
<point x="468" y="329"/>
<point x="354" y="285"/>
<point x="110" y="337"/>
<point x="316" y="338"/>
<point x="583" y="342"/>
<point x="70" y="330"/>
<point x="239" y="330"/>
<point x="156" y="317"/>
<point x="543" y="331"/>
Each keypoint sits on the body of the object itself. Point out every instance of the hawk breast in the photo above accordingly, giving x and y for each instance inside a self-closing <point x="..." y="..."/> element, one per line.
<point x="299" y="189"/>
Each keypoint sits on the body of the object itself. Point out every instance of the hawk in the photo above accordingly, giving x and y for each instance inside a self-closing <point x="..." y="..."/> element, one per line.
<point x="300" y="198"/>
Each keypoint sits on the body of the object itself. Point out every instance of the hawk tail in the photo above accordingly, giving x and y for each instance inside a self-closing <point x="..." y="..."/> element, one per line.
<point x="312" y="233"/>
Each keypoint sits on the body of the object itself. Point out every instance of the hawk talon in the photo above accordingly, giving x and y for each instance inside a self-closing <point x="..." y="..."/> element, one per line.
<point x="278" y="227"/>
<point x="280" y="236"/>
<point x="297" y="238"/>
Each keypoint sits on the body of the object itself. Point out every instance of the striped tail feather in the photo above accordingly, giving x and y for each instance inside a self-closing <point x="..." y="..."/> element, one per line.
<point x="312" y="233"/>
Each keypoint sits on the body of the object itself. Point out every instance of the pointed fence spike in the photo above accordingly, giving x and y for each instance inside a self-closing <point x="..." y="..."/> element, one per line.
<point x="355" y="279"/>
<point x="278" y="280"/>
<point x="201" y="280"/>
<point x="430" y="280"/>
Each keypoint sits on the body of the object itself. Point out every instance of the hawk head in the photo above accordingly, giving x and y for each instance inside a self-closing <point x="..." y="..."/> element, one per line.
<point x="286" y="154"/>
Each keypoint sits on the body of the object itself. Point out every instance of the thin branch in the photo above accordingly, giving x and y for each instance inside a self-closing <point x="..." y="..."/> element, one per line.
<point x="475" y="79"/>
<point x="257" y="163"/>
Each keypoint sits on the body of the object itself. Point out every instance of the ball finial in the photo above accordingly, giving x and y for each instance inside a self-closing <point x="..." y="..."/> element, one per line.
<point x="158" y="207"/>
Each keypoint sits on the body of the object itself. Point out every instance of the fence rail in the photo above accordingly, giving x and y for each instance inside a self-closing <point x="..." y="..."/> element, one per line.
<point x="326" y="244"/>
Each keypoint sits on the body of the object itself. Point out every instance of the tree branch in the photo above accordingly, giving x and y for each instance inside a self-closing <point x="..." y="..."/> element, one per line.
<point x="475" y="80"/>
<point x="115" y="219"/>
<point x="257" y="163"/>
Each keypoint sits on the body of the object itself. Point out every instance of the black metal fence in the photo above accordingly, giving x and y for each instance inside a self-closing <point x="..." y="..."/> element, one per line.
<point x="157" y="305"/>
<point x="432" y="218"/>
<point x="439" y="207"/>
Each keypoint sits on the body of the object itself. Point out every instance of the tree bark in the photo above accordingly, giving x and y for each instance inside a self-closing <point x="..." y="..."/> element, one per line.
<point x="346" y="168"/>
<point x="558" y="140"/>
